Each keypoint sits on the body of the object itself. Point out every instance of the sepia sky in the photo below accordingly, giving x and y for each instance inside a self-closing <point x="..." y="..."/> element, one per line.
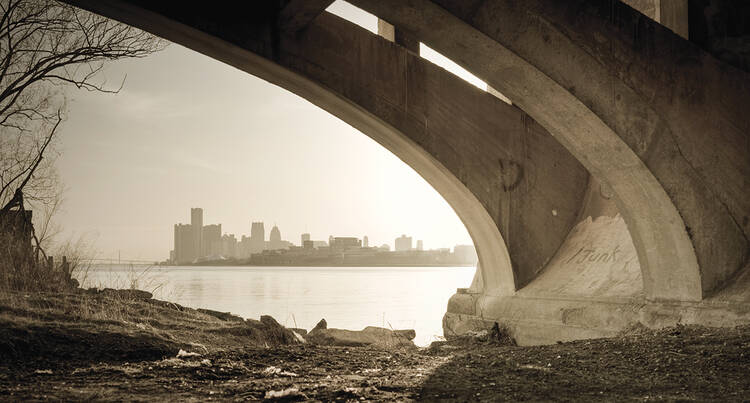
<point x="188" y="131"/>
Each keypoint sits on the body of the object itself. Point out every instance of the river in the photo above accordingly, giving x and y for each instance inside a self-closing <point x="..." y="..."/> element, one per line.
<point x="347" y="297"/>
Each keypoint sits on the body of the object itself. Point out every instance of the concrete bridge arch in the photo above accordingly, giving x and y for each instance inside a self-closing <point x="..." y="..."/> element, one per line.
<point x="505" y="174"/>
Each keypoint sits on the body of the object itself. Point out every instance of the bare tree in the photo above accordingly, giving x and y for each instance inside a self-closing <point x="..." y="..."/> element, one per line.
<point x="47" y="47"/>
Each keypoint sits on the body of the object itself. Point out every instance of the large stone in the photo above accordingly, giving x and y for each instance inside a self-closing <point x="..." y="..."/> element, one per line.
<point x="369" y="336"/>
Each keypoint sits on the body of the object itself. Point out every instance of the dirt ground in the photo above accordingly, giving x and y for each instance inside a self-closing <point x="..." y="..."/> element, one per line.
<point x="100" y="358"/>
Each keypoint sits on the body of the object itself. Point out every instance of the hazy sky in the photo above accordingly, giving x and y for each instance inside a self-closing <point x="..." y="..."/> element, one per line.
<point x="188" y="131"/>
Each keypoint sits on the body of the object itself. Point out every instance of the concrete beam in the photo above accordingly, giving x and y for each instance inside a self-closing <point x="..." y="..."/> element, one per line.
<point x="398" y="36"/>
<point x="672" y="14"/>
<point x="298" y="14"/>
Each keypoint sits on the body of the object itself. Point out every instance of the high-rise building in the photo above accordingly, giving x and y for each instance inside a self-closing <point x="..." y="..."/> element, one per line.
<point x="229" y="246"/>
<point x="274" y="238"/>
<point x="365" y="242"/>
<point x="244" y="248"/>
<point x="257" y="237"/>
<point x="196" y="222"/>
<point x="420" y="246"/>
<point x="403" y="243"/>
<point x="183" y="244"/>
<point x="211" y="240"/>
<point x="466" y="254"/>
<point x="305" y="237"/>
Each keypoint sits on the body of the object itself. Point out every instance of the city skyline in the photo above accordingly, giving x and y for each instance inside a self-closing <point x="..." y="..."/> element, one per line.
<point x="208" y="241"/>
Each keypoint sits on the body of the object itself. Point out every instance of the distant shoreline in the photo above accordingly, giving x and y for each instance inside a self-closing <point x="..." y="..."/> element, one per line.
<point x="235" y="264"/>
<point x="318" y="265"/>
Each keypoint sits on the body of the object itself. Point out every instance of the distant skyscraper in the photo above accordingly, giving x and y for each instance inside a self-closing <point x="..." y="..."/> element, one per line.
<point x="229" y="246"/>
<point x="275" y="238"/>
<point x="420" y="246"/>
<point x="403" y="243"/>
<point x="211" y="239"/>
<point x="183" y="243"/>
<point x="305" y="237"/>
<point x="365" y="242"/>
<point x="196" y="222"/>
<point x="257" y="237"/>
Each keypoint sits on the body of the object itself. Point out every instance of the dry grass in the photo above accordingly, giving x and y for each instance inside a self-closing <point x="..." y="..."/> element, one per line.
<point x="112" y="323"/>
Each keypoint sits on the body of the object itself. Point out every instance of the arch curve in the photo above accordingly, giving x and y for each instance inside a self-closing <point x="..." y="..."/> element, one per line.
<point x="481" y="226"/>
<point x="668" y="261"/>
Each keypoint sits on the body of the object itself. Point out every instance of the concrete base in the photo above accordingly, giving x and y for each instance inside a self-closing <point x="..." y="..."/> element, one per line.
<point x="535" y="320"/>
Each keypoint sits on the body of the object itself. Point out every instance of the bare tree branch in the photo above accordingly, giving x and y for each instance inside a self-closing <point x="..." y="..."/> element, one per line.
<point x="46" y="48"/>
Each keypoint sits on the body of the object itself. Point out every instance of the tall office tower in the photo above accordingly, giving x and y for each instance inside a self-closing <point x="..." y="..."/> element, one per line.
<point x="403" y="243"/>
<point x="244" y="247"/>
<point x="211" y="240"/>
<point x="257" y="237"/>
<point x="305" y="237"/>
<point x="196" y="222"/>
<point x="275" y="238"/>
<point x="365" y="242"/>
<point x="420" y="246"/>
<point x="183" y="244"/>
<point x="229" y="246"/>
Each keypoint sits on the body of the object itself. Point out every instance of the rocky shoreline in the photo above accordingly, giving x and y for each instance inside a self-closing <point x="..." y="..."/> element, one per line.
<point x="116" y="345"/>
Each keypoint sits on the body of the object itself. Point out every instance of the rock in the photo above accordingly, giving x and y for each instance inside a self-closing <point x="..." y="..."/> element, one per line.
<point x="225" y="316"/>
<point x="369" y="336"/>
<point x="321" y="325"/>
<point x="409" y="334"/>
<point x="126" y="294"/>
<point x="268" y="320"/>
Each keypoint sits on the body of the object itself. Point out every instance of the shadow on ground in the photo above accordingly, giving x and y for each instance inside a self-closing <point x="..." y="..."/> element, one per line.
<point x="683" y="363"/>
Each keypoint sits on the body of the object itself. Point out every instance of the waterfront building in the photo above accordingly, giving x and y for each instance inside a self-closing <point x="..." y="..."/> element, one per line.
<point x="257" y="237"/>
<point x="403" y="243"/>
<point x="211" y="240"/>
<point x="229" y="246"/>
<point x="244" y="247"/>
<point x="183" y="244"/>
<point x="196" y="222"/>
<point x="274" y="239"/>
<point x="344" y="243"/>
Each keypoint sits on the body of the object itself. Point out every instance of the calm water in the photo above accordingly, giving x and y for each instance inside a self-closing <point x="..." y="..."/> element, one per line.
<point x="347" y="297"/>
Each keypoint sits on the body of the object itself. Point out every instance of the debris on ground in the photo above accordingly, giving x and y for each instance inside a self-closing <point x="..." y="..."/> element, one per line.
<point x="52" y="350"/>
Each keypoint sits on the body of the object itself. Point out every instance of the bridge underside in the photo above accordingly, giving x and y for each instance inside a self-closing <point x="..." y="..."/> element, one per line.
<point x="613" y="191"/>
